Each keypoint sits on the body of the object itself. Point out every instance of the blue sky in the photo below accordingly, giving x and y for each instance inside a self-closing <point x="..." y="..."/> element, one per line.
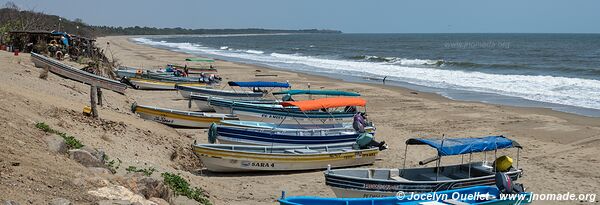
<point x="384" y="16"/>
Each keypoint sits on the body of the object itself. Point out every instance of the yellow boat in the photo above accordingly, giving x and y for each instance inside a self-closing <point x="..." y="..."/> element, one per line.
<point x="146" y="84"/>
<point x="247" y="158"/>
<point x="179" y="118"/>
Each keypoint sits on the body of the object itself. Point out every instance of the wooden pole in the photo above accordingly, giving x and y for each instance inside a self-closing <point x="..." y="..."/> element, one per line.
<point x="93" y="98"/>
<point x="99" y="97"/>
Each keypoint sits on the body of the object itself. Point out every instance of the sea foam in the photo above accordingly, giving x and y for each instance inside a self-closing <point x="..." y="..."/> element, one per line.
<point x="560" y="90"/>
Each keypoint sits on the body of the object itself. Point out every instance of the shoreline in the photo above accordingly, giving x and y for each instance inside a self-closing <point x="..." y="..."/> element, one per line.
<point x="448" y="93"/>
<point x="403" y="86"/>
<point x="556" y="143"/>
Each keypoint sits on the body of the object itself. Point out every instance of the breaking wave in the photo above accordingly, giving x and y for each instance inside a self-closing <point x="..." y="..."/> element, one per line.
<point x="560" y="90"/>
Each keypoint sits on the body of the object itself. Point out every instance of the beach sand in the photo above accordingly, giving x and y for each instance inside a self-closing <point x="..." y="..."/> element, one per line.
<point x="561" y="151"/>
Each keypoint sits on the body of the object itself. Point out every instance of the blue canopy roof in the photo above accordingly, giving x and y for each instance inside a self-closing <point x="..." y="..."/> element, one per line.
<point x="316" y="92"/>
<point x="457" y="146"/>
<point x="255" y="84"/>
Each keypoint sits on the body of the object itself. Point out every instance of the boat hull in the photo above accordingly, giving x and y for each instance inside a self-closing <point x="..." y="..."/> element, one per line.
<point x="355" y="187"/>
<point x="477" y="195"/>
<point x="260" y="116"/>
<point x="187" y="91"/>
<point x="66" y="71"/>
<point x="284" y="137"/>
<point x="179" y="118"/>
<point x="232" y="161"/>
<point x="144" y="84"/>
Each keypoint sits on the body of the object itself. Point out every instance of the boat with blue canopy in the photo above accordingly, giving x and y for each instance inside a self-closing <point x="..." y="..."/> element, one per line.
<point x="478" y="195"/>
<point x="378" y="182"/>
<point x="254" y="95"/>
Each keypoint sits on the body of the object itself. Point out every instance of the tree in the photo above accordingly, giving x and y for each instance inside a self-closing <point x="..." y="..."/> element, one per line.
<point x="11" y="5"/>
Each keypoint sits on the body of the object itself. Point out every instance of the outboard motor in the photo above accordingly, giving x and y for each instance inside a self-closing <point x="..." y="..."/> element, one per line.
<point x="506" y="186"/>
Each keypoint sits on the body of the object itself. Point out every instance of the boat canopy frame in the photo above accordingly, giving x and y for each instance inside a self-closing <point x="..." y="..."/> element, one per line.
<point x="322" y="104"/>
<point x="461" y="146"/>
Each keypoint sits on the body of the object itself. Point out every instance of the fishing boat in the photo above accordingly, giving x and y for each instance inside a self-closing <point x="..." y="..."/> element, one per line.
<point x="179" y="118"/>
<point x="246" y="158"/>
<point x="72" y="73"/>
<point x="268" y="125"/>
<point x="161" y="75"/>
<point x="280" y="136"/>
<point x="376" y="182"/>
<point x="255" y="93"/>
<point x="147" y="84"/>
<point x="478" y="195"/>
<point x="202" y="100"/>
<point x="317" y="92"/>
<point x="320" y="111"/>
<point x="194" y="69"/>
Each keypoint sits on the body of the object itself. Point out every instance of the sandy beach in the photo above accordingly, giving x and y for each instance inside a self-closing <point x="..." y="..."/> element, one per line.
<point x="561" y="151"/>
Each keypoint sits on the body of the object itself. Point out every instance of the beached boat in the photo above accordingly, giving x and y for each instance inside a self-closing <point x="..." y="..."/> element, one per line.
<point x="66" y="71"/>
<point x="179" y="118"/>
<point x="160" y="75"/>
<point x="200" y="96"/>
<point x="280" y="136"/>
<point x="194" y="69"/>
<point x="255" y="93"/>
<point x="147" y="84"/>
<point x="268" y="125"/>
<point x="320" y="111"/>
<point x="202" y="100"/>
<point x="479" y="195"/>
<point x="376" y="182"/>
<point x="317" y="92"/>
<point x="245" y="158"/>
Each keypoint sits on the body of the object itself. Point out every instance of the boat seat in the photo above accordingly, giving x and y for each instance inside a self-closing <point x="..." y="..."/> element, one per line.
<point x="433" y="176"/>
<point x="306" y="151"/>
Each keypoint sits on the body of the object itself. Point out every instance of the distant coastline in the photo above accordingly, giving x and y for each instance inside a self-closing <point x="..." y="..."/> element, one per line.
<point x="13" y="18"/>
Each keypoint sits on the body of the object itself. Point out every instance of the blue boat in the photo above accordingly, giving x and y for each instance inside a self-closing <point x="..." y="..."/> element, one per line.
<point x="280" y="136"/>
<point x="479" y="195"/>
<point x="380" y="182"/>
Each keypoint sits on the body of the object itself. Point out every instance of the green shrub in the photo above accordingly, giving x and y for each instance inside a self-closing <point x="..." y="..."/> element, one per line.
<point x="147" y="171"/>
<point x="181" y="187"/>
<point x="71" y="142"/>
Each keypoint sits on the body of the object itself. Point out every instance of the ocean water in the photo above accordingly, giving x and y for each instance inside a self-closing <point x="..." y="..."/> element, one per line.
<point x="558" y="71"/>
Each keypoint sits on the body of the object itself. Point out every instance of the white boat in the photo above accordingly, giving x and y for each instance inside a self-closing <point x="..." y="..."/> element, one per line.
<point x="72" y="73"/>
<point x="245" y="158"/>
<point x="320" y="111"/>
<point x="146" y="84"/>
<point x="378" y="182"/>
<point x="186" y="91"/>
<point x="179" y="118"/>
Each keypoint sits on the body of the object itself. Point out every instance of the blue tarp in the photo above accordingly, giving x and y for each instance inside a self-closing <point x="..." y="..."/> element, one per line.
<point x="257" y="84"/>
<point x="65" y="40"/>
<point x="457" y="146"/>
<point x="316" y="92"/>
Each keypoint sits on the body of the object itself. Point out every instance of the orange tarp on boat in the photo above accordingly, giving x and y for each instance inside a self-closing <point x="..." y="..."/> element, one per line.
<point x="325" y="103"/>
